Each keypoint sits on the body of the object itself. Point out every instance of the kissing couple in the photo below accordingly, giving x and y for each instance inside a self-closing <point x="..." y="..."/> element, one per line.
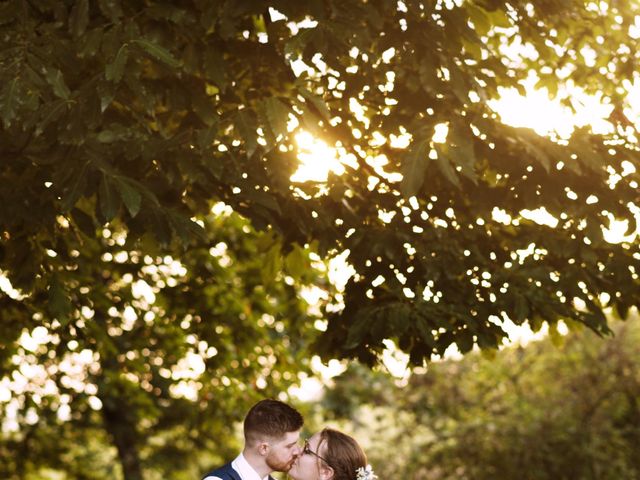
<point x="272" y="444"/>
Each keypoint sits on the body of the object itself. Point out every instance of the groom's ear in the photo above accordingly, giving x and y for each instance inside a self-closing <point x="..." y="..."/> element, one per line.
<point x="263" y="448"/>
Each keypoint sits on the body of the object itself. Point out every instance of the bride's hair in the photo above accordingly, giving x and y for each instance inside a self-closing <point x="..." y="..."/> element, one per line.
<point x="343" y="453"/>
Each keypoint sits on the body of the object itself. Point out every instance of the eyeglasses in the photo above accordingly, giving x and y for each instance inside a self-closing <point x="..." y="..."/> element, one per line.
<point x="307" y="450"/>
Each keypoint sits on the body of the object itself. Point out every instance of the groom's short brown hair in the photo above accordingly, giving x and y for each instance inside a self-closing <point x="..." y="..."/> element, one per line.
<point x="270" y="418"/>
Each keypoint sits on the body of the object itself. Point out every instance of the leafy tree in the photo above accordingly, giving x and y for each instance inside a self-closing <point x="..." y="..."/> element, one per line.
<point x="159" y="359"/>
<point x="562" y="411"/>
<point x="144" y="113"/>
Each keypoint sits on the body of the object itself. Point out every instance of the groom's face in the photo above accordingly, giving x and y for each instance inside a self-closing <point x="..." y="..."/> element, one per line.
<point x="283" y="452"/>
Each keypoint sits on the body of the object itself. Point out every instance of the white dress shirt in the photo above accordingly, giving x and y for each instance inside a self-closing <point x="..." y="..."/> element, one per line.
<point x="243" y="468"/>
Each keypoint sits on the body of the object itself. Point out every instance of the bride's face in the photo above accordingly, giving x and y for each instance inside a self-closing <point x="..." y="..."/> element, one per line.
<point x="308" y="465"/>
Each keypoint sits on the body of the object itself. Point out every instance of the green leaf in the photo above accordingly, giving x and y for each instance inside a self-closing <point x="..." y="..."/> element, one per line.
<point x="160" y="226"/>
<point x="424" y="330"/>
<point x="245" y="124"/>
<point x="259" y="24"/>
<point x="77" y="185"/>
<point x="461" y="150"/>
<point x="264" y="199"/>
<point x="205" y="137"/>
<point x="427" y="68"/>
<point x="107" y="136"/>
<point x="271" y="265"/>
<point x="79" y="18"/>
<point x="108" y="199"/>
<point x="536" y="322"/>
<point x="58" y="303"/>
<point x="204" y="106"/>
<point x="550" y="82"/>
<point x="444" y="164"/>
<point x="586" y="153"/>
<point x="277" y="115"/>
<point x="191" y="56"/>
<point x="297" y="262"/>
<point x="9" y="101"/>
<point x="358" y="329"/>
<point x="91" y="42"/>
<point x="106" y="92"/>
<point x="167" y="12"/>
<point x="318" y="103"/>
<point x="473" y="48"/>
<point x="464" y="340"/>
<point x="111" y="9"/>
<point x="115" y="70"/>
<point x="56" y="80"/>
<point x="413" y="169"/>
<point x="296" y="45"/>
<point x="84" y="222"/>
<point x="186" y="228"/>
<point x="534" y="146"/>
<point x="129" y="194"/>
<point x="458" y="84"/>
<point x="479" y="17"/>
<point x="158" y="52"/>
<point x="50" y="113"/>
<point x="499" y="18"/>
<point x="8" y="12"/>
<point x="214" y="67"/>
<point x="521" y="309"/>
<point x="33" y="77"/>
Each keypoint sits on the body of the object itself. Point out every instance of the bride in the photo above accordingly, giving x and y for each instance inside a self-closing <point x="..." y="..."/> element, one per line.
<point x="331" y="455"/>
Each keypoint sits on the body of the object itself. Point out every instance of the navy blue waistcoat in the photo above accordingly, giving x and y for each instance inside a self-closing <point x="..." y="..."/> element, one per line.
<point x="226" y="472"/>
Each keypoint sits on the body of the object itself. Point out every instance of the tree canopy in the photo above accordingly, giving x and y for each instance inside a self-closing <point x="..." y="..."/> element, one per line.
<point x="143" y="114"/>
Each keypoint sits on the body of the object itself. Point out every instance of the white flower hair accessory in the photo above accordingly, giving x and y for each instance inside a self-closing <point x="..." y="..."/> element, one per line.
<point x="365" y="473"/>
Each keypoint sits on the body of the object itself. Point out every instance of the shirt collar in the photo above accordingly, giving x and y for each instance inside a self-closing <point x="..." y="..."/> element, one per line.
<point x="245" y="470"/>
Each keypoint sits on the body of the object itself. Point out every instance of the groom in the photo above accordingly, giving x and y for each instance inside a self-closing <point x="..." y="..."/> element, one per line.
<point x="271" y="435"/>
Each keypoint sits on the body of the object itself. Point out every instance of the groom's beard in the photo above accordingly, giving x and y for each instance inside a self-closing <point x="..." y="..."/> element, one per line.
<point x="279" y="465"/>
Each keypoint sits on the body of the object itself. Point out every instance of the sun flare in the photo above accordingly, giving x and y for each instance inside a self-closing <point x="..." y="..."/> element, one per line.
<point x="548" y="116"/>
<point x="317" y="159"/>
